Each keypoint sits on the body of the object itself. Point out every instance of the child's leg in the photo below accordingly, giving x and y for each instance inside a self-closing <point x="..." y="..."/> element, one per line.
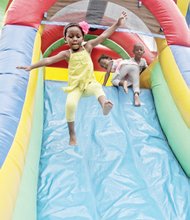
<point x="70" y="109"/>
<point x="121" y="78"/>
<point x="134" y="77"/>
<point x="120" y="82"/>
<point x="136" y="99"/>
<point x="124" y="84"/>
<point x="72" y="139"/>
<point x="94" y="88"/>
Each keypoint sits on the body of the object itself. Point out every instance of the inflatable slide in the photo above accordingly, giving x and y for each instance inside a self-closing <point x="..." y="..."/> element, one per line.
<point x="132" y="164"/>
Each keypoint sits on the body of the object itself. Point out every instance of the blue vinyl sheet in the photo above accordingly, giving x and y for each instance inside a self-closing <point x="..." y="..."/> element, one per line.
<point x="121" y="169"/>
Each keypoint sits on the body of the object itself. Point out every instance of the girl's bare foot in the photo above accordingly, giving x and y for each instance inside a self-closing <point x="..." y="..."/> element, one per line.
<point x="125" y="87"/>
<point x="107" y="106"/>
<point x="73" y="140"/>
<point x="136" y="99"/>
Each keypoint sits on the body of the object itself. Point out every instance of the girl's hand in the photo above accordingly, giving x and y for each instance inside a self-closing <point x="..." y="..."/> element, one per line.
<point x="27" y="68"/>
<point x="121" y="19"/>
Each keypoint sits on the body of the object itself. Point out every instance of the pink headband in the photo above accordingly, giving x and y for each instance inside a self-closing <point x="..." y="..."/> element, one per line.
<point x="85" y="26"/>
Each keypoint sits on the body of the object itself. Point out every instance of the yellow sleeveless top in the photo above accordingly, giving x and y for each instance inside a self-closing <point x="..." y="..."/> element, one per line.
<point x="80" y="71"/>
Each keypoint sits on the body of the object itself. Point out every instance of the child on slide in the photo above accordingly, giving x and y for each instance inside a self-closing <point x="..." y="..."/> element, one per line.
<point x="125" y="72"/>
<point x="81" y="80"/>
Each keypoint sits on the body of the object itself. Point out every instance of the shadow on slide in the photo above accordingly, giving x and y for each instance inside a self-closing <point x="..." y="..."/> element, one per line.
<point x="122" y="167"/>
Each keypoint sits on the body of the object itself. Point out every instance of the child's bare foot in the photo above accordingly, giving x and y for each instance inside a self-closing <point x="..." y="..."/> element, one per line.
<point x="107" y="107"/>
<point x="125" y="87"/>
<point x="136" y="99"/>
<point x="73" y="140"/>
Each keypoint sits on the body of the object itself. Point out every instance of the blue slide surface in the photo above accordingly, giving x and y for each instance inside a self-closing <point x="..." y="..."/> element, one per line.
<point x="122" y="168"/>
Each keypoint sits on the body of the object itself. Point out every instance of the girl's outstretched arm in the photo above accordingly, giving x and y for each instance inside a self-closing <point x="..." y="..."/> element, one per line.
<point x="107" y="33"/>
<point x="64" y="55"/>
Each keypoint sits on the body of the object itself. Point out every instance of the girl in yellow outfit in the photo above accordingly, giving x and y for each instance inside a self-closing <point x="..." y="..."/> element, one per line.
<point x="81" y="80"/>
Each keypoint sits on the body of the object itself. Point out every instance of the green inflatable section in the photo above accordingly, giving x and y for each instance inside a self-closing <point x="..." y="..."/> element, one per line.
<point x="28" y="187"/>
<point x="3" y="5"/>
<point x="107" y="43"/>
<point x="175" y="129"/>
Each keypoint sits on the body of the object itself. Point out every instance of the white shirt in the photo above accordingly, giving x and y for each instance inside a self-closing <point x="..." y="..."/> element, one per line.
<point x="142" y="64"/>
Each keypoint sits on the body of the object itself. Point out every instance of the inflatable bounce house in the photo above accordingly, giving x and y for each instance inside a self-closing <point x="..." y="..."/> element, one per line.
<point x="133" y="164"/>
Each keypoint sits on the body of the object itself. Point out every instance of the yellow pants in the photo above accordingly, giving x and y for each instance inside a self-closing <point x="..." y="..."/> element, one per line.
<point x="93" y="88"/>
